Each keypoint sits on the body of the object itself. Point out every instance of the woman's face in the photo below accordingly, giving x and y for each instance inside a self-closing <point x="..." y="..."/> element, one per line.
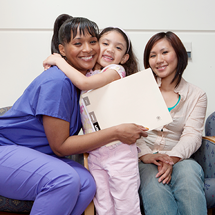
<point x="162" y="59"/>
<point x="81" y="52"/>
<point x="112" y="49"/>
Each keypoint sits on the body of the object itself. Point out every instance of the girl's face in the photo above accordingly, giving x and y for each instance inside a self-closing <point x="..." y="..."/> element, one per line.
<point x="162" y="59"/>
<point x="81" y="52"/>
<point x="112" y="49"/>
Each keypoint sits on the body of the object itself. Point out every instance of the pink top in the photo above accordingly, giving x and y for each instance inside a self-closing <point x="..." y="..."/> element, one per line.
<point x="182" y="137"/>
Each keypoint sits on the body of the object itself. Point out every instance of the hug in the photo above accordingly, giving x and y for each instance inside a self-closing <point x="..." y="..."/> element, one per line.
<point x="152" y="169"/>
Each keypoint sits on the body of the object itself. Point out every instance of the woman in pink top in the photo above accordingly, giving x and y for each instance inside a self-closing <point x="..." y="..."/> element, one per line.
<point x="179" y="188"/>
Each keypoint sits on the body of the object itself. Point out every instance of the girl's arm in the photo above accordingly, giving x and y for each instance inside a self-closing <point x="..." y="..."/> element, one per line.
<point x="57" y="132"/>
<point x="78" y="79"/>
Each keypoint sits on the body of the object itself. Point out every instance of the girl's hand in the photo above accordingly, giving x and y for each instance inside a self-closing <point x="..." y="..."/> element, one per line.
<point x="155" y="158"/>
<point x="130" y="133"/>
<point x="52" y="60"/>
<point x="164" y="173"/>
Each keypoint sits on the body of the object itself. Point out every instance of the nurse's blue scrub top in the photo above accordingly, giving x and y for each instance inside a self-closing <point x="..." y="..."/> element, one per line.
<point x="51" y="94"/>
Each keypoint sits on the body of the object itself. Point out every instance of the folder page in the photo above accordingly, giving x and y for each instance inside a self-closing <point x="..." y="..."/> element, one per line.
<point x="133" y="99"/>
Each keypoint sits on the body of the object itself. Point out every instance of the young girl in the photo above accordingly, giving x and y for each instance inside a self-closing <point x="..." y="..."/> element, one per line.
<point x="114" y="167"/>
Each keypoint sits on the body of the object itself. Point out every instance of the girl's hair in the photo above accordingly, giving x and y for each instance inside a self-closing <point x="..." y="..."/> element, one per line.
<point x="131" y="65"/>
<point x="177" y="46"/>
<point x="66" y="25"/>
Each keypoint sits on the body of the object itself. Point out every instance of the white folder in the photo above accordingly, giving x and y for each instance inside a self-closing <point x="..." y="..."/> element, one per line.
<point x="133" y="99"/>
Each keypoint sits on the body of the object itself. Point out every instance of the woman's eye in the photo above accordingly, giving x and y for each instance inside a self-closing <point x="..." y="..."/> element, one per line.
<point x="151" y="56"/>
<point x="165" y="52"/>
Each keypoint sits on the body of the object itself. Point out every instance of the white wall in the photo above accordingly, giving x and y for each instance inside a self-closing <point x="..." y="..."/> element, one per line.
<point x="26" y="30"/>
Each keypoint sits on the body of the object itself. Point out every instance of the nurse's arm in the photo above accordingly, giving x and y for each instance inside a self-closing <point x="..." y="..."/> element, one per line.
<point x="57" y="132"/>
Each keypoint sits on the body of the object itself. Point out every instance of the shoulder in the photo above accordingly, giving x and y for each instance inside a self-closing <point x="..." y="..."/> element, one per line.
<point x="189" y="87"/>
<point x="53" y="76"/>
<point x="118" y="68"/>
<point x="53" y="73"/>
<point x="190" y="90"/>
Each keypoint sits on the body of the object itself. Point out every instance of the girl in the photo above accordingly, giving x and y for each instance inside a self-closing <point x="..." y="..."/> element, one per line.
<point x="114" y="167"/>
<point x="41" y="129"/>
<point x="177" y="189"/>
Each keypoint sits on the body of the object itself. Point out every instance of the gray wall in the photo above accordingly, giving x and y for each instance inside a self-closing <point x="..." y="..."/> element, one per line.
<point x="26" y="30"/>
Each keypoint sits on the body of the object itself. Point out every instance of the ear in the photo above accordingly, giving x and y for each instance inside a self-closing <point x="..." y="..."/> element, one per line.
<point x="62" y="50"/>
<point x="124" y="58"/>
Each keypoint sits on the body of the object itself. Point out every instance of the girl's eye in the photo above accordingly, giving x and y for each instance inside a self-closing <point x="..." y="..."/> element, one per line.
<point x="106" y="44"/>
<point x="119" y="48"/>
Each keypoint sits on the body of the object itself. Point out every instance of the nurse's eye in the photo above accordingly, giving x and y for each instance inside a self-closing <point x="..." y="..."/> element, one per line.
<point x="77" y="44"/>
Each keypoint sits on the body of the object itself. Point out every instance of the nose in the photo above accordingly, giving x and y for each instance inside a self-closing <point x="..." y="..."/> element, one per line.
<point x="87" y="47"/>
<point x="160" y="58"/>
<point x="110" y="49"/>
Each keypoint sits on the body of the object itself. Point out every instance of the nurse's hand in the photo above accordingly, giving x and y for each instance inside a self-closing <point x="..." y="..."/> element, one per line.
<point x="129" y="133"/>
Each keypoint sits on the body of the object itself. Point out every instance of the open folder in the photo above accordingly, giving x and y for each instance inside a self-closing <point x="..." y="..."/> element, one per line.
<point x="133" y="99"/>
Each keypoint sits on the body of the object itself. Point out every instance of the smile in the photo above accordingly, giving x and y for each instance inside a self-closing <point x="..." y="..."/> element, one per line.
<point x="87" y="58"/>
<point x="161" y="67"/>
<point x="107" y="57"/>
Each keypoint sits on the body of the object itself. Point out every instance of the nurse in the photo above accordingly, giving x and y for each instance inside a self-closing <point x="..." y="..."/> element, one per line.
<point x="42" y="128"/>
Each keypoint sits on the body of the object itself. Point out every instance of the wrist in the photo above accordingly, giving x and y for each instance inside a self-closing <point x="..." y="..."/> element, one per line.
<point x="143" y="157"/>
<point x="175" y="159"/>
<point x="59" y="61"/>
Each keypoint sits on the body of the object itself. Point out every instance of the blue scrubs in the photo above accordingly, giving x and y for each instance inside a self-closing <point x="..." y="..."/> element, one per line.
<point x="28" y="172"/>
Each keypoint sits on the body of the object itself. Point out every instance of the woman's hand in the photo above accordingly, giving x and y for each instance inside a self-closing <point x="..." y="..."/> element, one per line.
<point x="51" y="60"/>
<point x="164" y="172"/>
<point x="129" y="133"/>
<point x="155" y="158"/>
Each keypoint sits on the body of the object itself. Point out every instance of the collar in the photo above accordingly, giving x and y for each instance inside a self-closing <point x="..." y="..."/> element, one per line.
<point x="181" y="89"/>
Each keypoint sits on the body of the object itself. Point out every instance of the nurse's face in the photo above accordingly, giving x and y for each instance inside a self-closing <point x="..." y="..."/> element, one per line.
<point x="81" y="52"/>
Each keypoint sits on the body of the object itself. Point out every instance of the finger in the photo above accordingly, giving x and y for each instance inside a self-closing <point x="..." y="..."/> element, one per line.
<point x="160" y="173"/>
<point x="156" y="163"/>
<point x="163" y="177"/>
<point x="143" y="128"/>
<point x="166" y="159"/>
<point x="169" y="180"/>
<point x="44" y="63"/>
<point x="46" y="67"/>
<point x="166" y="180"/>
<point x="167" y="175"/>
<point x="144" y="134"/>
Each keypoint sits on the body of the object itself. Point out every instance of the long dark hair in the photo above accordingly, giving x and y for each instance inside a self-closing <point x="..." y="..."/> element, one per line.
<point x="65" y="24"/>
<point x="58" y="22"/>
<point x="177" y="46"/>
<point x="131" y="65"/>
